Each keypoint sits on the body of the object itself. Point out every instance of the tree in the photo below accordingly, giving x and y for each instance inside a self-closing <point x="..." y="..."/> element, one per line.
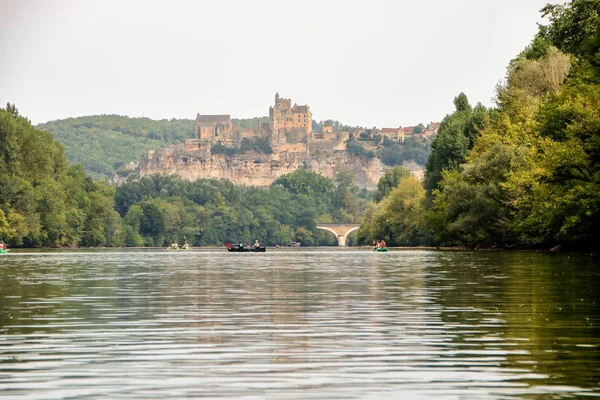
<point x="398" y="218"/>
<point x="572" y="25"/>
<point x="45" y="200"/>
<point x="389" y="181"/>
<point x="455" y="138"/>
<point x="345" y="201"/>
<point x="304" y="181"/>
<point x="152" y="224"/>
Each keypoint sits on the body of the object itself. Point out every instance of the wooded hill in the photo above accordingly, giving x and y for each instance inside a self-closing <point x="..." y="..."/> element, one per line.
<point x="106" y="144"/>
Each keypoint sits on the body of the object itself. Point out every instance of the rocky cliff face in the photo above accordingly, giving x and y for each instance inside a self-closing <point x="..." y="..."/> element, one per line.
<point x="194" y="161"/>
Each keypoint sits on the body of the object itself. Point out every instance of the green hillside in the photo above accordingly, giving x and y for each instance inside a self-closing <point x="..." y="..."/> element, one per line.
<point x="105" y="143"/>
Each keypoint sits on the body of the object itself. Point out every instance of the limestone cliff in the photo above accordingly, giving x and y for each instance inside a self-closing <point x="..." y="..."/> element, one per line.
<point x="193" y="160"/>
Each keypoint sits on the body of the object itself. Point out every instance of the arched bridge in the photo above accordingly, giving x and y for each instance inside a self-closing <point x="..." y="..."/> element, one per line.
<point x="341" y="231"/>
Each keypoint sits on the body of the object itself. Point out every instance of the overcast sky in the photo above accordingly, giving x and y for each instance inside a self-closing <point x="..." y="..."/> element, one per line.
<point x="381" y="63"/>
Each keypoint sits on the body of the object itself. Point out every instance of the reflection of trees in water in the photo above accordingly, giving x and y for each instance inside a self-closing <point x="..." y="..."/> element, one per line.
<point x="546" y="307"/>
<point x="476" y="314"/>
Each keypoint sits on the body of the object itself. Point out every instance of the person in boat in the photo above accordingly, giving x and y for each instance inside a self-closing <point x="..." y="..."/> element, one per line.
<point x="3" y="246"/>
<point x="256" y="244"/>
<point x="240" y="245"/>
<point x="174" y="245"/>
<point x="382" y="244"/>
<point x="377" y="244"/>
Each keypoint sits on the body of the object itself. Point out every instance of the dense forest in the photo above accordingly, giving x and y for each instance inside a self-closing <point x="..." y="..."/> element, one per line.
<point x="525" y="173"/>
<point x="103" y="144"/>
<point x="522" y="174"/>
<point x="158" y="209"/>
<point x="45" y="200"/>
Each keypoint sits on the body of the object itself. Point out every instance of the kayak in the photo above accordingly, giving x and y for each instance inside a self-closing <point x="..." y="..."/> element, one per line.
<point x="179" y="248"/>
<point x="380" y="249"/>
<point x="235" y="249"/>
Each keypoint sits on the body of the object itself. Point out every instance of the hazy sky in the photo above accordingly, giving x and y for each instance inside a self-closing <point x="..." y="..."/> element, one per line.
<point x="381" y="63"/>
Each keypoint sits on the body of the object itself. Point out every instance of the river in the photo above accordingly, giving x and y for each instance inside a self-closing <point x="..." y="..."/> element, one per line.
<point x="323" y="323"/>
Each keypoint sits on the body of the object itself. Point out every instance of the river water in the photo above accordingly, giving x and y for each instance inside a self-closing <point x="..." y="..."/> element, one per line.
<point x="298" y="324"/>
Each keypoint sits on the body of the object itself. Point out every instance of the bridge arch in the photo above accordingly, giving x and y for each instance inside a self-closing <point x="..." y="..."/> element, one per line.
<point x="341" y="231"/>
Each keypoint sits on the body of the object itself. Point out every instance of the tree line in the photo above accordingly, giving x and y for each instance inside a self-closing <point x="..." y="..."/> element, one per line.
<point x="47" y="202"/>
<point x="523" y="173"/>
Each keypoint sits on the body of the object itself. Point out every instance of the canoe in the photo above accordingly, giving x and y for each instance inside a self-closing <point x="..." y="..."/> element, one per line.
<point x="184" y="247"/>
<point x="380" y="249"/>
<point x="235" y="249"/>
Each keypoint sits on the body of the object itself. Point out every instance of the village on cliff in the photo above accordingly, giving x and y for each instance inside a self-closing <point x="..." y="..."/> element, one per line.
<point x="293" y="144"/>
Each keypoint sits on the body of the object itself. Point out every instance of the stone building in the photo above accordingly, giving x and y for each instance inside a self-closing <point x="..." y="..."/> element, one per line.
<point x="394" y="134"/>
<point x="284" y="117"/>
<point x="432" y="129"/>
<point x="214" y="127"/>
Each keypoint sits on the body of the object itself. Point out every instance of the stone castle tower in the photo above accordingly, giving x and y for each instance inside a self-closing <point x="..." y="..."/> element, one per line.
<point x="284" y="117"/>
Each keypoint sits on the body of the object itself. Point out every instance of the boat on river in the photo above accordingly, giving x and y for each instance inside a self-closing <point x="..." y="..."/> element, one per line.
<point x="380" y="249"/>
<point x="234" y="248"/>
<point x="184" y="247"/>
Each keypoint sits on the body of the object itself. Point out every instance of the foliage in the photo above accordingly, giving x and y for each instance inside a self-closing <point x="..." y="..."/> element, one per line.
<point x="418" y="129"/>
<point x="336" y="125"/>
<point x="356" y="149"/>
<point x="228" y="150"/>
<point x="455" y="137"/>
<point x="413" y="149"/>
<point x="103" y="143"/>
<point x="533" y="173"/>
<point x="249" y="123"/>
<point x="572" y="26"/>
<point x="161" y="208"/>
<point x="258" y="144"/>
<point x="45" y="201"/>
<point x="389" y="181"/>
<point x="398" y="218"/>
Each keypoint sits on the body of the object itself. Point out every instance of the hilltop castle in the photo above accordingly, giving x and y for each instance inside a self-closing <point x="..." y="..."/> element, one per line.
<point x="293" y="142"/>
<point x="292" y="124"/>
<point x="283" y="121"/>
<point x="285" y="117"/>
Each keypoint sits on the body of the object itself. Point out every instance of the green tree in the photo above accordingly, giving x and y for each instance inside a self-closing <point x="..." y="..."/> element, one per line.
<point x="572" y="26"/>
<point x="152" y="224"/>
<point x="47" y="201"/>
<point x="389" y="181"/>
<point x="398" y="218"/>
<point x="455" y="137"/>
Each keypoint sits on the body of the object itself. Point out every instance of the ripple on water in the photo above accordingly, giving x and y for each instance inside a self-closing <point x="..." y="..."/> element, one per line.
<point x="311" y="324"/>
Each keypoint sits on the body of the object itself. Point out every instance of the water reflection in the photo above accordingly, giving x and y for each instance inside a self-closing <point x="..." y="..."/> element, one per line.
<point x="299" y="324"/>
